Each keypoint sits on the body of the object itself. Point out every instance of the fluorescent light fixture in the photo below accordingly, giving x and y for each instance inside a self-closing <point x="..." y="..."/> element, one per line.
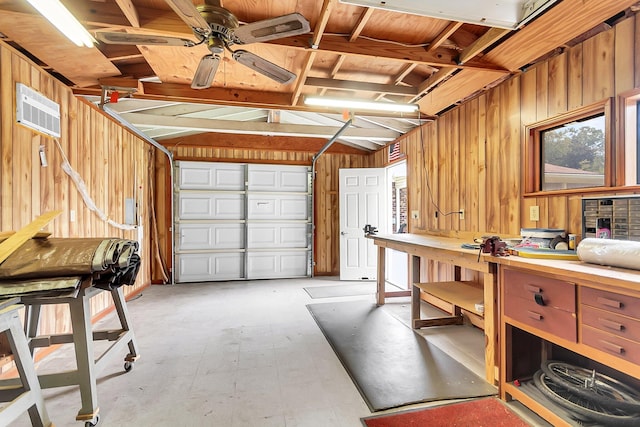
<point x="354" y="104"/>
<point x="509" y="14"/>
<point x="64" y="21"/>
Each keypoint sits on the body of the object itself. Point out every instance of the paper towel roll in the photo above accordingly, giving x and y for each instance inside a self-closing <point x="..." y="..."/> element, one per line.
<point x="618" y="253"/>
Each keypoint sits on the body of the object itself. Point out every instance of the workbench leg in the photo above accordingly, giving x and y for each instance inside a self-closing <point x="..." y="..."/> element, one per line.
<point x="26" y="370"/>
<point x="380" y="293"/>
<point x="123" y="315"/>
<point x="80" y="309"/>
<point x="31" y="321"/>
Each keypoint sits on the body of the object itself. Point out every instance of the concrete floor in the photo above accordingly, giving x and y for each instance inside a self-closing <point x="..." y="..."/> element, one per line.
<point x="234" y="354"/>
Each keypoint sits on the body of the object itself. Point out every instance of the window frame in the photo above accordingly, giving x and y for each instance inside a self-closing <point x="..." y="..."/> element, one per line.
<point x="532" y="171"/>
<point x="629" y="111"/>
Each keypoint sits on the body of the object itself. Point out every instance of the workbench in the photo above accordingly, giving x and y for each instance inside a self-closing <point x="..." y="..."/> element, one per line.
<point x="457" y="294"/>
<point x="587" y="314"/>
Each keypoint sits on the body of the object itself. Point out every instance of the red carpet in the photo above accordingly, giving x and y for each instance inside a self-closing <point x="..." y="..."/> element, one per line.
<point x="489" y="412"/>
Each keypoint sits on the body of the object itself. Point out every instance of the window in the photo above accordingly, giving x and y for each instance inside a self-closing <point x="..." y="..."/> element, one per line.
<point x="570" y="151"/>
<point x="573" y="154"/>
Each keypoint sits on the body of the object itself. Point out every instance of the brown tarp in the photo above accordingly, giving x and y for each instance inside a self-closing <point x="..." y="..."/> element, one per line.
<point x="60" y="263"/>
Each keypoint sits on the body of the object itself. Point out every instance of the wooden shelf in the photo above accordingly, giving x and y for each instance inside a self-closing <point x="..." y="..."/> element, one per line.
<point x="458" y="294"/>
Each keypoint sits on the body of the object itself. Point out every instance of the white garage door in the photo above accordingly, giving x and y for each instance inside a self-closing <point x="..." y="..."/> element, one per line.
<point x="242" y="221"/>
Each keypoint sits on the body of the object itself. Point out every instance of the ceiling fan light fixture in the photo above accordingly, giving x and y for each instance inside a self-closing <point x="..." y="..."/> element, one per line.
<point x="64" y="21"/>
<point x="355" y="104"/>
<point x="206" y="71"/>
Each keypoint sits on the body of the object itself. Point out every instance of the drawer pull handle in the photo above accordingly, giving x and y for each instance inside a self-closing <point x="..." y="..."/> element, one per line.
<point x="609" y="302"/>
<point x="539" y="299"/>
<point x="534" y="315"/>
<point x="614" y="348"/>
<point x="610" y="324"/>
<point x="532" y="288"/>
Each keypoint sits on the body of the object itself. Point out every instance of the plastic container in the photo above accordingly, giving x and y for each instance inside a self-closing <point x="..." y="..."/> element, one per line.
<point x="539" y="237"/>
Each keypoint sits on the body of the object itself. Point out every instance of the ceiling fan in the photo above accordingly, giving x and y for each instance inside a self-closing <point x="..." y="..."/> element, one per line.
<point x="219" y="29"/>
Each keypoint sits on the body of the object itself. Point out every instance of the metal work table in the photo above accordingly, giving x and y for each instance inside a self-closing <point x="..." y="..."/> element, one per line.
<point x="26" y="395"/>
<point x="82" y="337"/>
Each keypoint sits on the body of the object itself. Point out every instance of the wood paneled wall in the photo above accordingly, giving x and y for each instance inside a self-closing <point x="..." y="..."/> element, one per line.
<point x="471" y="158"/>
<point x="327" y="255"/>
<point x="113" y="163"/>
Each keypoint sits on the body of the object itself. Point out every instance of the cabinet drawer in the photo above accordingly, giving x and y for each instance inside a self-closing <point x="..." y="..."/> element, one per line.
<point x="612" y="323"/>
<point x="611" y="301"/>
<point x="550" y="292"/>
<point x="560" y="323"/>
<point x="612" y="344"/>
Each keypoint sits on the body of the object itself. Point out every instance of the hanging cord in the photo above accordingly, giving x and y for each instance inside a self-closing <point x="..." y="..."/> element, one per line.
<point x="82" y="189"/>
<point x="433" y="202"/>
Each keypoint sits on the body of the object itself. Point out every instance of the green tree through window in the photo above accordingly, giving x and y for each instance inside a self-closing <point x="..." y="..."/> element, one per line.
<point x="574" y="154"/>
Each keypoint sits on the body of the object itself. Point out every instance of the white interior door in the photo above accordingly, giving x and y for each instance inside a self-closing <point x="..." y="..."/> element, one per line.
<point x="362" y="202"/>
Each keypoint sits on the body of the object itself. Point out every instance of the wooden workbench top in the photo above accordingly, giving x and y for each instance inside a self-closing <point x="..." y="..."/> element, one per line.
<point x="437" y="248"/>
<point x="576" y="270"/>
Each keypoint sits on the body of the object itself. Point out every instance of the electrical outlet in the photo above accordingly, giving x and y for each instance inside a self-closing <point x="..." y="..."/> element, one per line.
<point x="534" y="213"/>
<point x="415" y="214"/>
<point x="461" y="212"/>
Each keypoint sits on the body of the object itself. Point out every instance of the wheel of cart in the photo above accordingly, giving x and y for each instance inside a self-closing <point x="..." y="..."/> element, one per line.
<point x="92" y="423"/>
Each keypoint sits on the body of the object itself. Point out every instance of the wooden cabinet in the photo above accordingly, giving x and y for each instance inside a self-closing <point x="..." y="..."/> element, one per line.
<point x="610" y="323"/>
<point x="541" y="303"/>
<point x="579" y="313"/>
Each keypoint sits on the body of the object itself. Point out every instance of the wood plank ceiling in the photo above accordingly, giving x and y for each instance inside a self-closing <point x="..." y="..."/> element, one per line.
<point x="352" y="51"/>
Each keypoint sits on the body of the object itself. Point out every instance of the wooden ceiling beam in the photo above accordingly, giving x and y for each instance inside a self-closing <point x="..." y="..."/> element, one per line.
<point x="444" y="35"/>
<point x="483" y="42"/>
<point x="256" y="128"/>
<point x="400" y="77"/>
<point x="327" y="8"/>
<point x="336" y="44"/>
<point x="129" y="11"/>
<point x="360" y="86"/>
<point x="362" y="21"/>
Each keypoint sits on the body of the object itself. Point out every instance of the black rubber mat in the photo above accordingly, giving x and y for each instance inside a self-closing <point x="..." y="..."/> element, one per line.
<point x="345" y="290"/>
<point x="390" y="364"/>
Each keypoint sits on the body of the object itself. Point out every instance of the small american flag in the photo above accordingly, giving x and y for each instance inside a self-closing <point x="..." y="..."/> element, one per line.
<point x="394" y="151"/>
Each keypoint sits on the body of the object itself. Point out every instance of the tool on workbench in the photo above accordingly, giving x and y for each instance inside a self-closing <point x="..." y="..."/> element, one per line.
<point x="494" y="246"/>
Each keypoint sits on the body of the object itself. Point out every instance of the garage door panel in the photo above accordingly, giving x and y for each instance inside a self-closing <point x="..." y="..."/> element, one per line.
<point x="210" y="176"/>
<point x="210" y="206"/>
<point x="277" y="207"/>
<point x="272" y="265"/>
<point x="269" y="235"/>
<point x="210" y="236"/>
<point x="276" y="178"/>
<point x="210" y="266"/>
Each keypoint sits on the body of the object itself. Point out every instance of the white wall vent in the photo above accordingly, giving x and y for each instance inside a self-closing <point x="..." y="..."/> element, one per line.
<point x="37" y="111"/>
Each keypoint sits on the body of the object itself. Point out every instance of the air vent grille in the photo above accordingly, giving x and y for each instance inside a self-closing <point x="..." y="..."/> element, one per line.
<point x="37" y="111"/>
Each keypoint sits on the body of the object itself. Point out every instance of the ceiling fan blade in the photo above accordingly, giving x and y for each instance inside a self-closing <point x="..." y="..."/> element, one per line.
<point x="189" y="14"/>
<point x="263" y="66"/>
<point x="270" y="29"/>
<point x="141" y="39"/>
<point x="203" y="78"/>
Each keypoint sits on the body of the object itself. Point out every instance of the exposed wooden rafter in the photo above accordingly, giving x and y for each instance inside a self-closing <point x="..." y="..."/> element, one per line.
<point x="444" y="35"/>
<point x="327" y="7"/>
<point x="129" y="11"/>
<point x="360" y="86"/>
